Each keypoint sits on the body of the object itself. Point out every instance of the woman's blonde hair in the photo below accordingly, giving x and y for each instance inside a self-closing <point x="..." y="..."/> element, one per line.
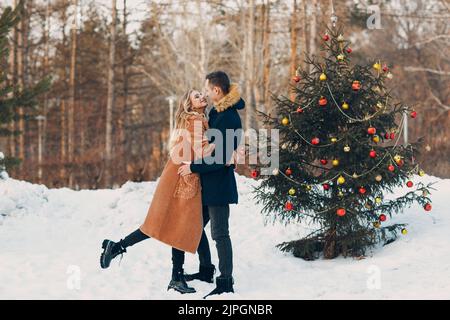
<point x="181" y="116"/>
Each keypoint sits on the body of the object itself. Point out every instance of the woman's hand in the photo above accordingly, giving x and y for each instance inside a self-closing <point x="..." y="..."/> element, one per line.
<point x="184" y="170"/>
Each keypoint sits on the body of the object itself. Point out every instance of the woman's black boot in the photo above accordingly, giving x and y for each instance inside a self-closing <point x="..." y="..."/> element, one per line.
<point x="111" y="250"/>
<point x="178" y="282"/>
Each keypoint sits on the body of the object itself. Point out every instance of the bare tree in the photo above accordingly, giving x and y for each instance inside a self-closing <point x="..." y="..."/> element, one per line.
<point x="250" y="68"/>
<point x="72" y="84"/>
<point x="294" y="34"/>
<point x="110" y="101"/>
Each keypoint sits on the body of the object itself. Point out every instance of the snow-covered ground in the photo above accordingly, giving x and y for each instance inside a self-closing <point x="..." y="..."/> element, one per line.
<point x="50" y="246"/>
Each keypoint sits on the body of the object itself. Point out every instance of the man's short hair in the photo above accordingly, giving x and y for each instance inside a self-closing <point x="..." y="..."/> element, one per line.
<point x="219" y="79"/>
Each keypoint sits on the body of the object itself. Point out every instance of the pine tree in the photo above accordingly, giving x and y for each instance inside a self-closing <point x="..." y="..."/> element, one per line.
<point x="11" y="96"/>
<point x="340" y="153"/>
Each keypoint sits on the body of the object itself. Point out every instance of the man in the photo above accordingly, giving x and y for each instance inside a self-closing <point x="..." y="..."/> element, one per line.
<point x="217" y="179"/>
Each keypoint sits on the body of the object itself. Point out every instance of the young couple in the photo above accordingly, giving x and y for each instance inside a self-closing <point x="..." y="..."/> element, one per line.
<point x="196" y="187"/>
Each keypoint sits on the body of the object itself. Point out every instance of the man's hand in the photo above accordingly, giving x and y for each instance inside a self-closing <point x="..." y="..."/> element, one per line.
<point x="233" y="159"/>
<point x="184" y="170"/>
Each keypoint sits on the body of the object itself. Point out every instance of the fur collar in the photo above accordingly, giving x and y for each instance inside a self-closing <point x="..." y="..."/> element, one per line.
<point x="230" y="99"/>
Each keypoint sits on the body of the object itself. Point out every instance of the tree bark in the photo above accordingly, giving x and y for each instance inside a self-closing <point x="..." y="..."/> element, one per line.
<point x="71" y="107"/>
<point x="293" y="56"/>
<point x="13" y="81"/>
<point x="266" y="58"/>
<point x="313" y="30"/>
<point x="250" y="82"/>
<point x="110" y="97"/>
<point x="20" y="85"/>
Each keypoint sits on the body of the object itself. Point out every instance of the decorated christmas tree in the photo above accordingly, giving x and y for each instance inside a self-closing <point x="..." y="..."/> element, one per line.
<point x="340" y="153"/>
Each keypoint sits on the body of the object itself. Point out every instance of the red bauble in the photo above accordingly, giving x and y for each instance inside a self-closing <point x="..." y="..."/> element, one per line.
<point x="340" y="212"/>
<point x="323" y="161"/>
<point x="326" y="37"/>
<point x="382" y="217"/>
<point x="427" y="207"/>
<point x="371" y="130"/>
<point x="326" y="186"/>
<point x="372" y="154"/>
<point x="391" y="168"/>
<point x="362" y="190"/>
<point x="385" y="68"/>
<point x="289" y="206"/>
<point x="386" y="135"/>
<point x="255" y="173"/>
<point x="356" y="85"/>
<point x="413" y="114"/>
<point x="299" y="110"/>
<point x="296" y="78"/>
<point x="315" y="141"/>
<point x="288" y="171"/>
<point x="323" y="101"/>
<point x="349" y="50"/>
<point x="409" y="184"/>
<point x="392" y="136"/>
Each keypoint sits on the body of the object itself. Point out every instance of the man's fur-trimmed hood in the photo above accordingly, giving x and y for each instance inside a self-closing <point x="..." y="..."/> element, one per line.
<point x="229" y="100"/>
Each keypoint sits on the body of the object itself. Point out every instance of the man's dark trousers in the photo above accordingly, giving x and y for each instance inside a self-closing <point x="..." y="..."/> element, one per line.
<point x="219" y="217"/>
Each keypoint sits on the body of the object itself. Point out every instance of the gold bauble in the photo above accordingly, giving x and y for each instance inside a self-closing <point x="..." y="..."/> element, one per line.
<point x="389" y="75"/>
<point x="355" y="175"/>
<point x="323" y="77"/>
<point x="345" y="106"/>
<point x="378" y="178"/>
<point x="341" y="180"/>
<point x="378" y="200"/>
<point x="340" y="57"/>
<point x="340" y="38"/>
<point x="376" y="139"/>
<point x="334" y="140"/>
<point x="285" y="121"/>
<point x="376" y="224"/>
<point x="347" y="148"/>
<point x="404" y="231"/>
<point x="335" y="162"/>
<point x="291" y="191"/>
<point x="377" y="66"/>
<point x="340" y="194"/>
<point x="308" y="187"/>
<point x="421" y="173"/>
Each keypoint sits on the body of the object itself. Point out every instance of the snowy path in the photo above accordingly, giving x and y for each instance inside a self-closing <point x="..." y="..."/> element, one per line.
<point x="50" y="239"/>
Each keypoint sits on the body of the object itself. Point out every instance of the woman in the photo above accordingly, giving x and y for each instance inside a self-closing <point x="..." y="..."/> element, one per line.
<point x="175" y="214"/>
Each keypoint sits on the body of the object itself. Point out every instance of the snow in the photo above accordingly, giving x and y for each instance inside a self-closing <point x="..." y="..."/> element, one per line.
<point x="50" y="243"/>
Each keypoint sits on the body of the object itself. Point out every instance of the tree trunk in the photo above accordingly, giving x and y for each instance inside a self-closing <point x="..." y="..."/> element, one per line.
<point x="293" y="57"/>
<point x="71" y="107"/>
<point x="266" y="58"/>
<point x="20" y="85"/>
<point x="250" y="93"/>
<point x="313" y="30"/>
<point x="329" y="250"/>
<point x="303" y="34"/>
<point x="63" y="132"/>
<point x="110" y="97"/>
<point x="12" y="81"/>
<point x="122" y="116"/>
